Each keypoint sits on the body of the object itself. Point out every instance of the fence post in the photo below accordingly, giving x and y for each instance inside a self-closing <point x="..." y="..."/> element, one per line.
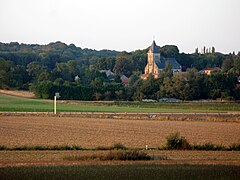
<point x="55" y="104"/>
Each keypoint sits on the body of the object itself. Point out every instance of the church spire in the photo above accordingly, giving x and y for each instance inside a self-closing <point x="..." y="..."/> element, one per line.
<point x="154" y="48"/>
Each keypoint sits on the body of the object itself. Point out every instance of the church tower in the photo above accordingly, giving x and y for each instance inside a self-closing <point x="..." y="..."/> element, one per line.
<point x="153" y="56"/>
<point x="155" y="64"/>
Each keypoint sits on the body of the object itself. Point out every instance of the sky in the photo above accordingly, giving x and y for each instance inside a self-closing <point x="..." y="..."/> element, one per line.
<point x="123" y="24"/>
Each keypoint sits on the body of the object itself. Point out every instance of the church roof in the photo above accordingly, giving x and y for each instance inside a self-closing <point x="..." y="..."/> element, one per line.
<point x="154" y="48"/>
<point x="162" y="63"/>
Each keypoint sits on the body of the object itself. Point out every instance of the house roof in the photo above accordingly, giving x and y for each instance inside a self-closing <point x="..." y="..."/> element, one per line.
<point x="124" y="79"/>
<point x="107" y="72"/>
<point x="212" y="69"/>
<point x="154" y="48"/>
<point x="162" y="63"/>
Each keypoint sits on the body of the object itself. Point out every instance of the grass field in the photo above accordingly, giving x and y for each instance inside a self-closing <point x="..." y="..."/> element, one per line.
<point x="16" y="104"/>
<point x="136" y="171"/>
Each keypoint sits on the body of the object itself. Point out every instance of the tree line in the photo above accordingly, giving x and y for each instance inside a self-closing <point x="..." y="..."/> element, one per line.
<point x="75" y="73"/>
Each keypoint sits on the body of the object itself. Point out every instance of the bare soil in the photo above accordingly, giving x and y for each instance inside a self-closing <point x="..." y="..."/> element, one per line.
<point x="18" y="131"/>
<point x="26" y="94"/>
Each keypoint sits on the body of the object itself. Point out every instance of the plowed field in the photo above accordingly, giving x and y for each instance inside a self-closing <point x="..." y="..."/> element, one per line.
<point x="92" y="133"/>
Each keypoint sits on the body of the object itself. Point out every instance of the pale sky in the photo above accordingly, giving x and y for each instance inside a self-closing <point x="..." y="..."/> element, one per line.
<point x="123" y="24"/>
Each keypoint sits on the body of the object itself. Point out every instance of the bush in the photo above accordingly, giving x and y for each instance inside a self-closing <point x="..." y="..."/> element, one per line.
<point x="175" y="141"/>
<point x="119" y="146"/>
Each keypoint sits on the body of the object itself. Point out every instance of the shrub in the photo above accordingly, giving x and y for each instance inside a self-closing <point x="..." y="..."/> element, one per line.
<point x="175" y="141"/>
<point x="119" y="146"/>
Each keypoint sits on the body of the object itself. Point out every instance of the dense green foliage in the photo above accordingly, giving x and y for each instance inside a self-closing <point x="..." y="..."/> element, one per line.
<point x="75" y="73"/>
<point x="133" y="171"/>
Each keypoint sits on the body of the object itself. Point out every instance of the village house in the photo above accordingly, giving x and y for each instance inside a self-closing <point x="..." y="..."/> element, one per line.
<point x="156" y="63"/>
<point x="111" y="76"/>
<point x="209" y="71"/>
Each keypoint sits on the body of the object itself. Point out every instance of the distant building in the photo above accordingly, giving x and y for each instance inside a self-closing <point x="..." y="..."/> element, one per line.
<point x="156" y="63"/>
<point x="124" y="79"/>
<point x="110" y="75"/>
<point x="209" y="71"/>
<point x="76" y="78"/>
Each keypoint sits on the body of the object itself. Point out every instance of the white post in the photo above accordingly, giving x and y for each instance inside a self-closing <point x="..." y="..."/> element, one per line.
<point x="55" y="104"/>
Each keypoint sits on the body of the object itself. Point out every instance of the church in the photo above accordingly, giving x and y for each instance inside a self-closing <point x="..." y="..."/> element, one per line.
<point x="156" y="63"/>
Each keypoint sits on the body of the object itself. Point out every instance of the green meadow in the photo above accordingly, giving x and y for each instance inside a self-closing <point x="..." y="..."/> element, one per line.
<point x="16" y="104"/>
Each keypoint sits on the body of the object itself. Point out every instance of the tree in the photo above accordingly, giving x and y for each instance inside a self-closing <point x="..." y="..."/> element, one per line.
<point x="169" y="51"/>
<point x="104" y="63"/>
<point x="44" y="76"/>
<point x="122" y="66"/>
<point x="236" y="65"/>
<point x="44" y="90"/>
<point x="180" y="86"/>
<point x="166" y="89"/>
<point x="168" y="70"/>
<point x="120" y="95"/>
<point x="213" y="50"/>
<point x="5" y="67"/>
<point x="34" y="69"/>
<point x="19" y="77"/>
<point x="133" y="79"/>
<point x="150" y="88"/>
<point x="196" y="51"/>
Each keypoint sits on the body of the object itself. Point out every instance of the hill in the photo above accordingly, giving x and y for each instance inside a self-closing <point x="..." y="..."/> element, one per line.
<point x="76" y="73"/>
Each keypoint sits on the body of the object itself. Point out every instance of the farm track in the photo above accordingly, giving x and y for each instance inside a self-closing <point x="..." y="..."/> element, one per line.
<point x="150" y="115"/>
<point x="39" y="158"/>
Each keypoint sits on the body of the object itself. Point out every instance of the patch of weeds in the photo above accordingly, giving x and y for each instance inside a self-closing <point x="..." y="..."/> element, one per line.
<point x="117" y="146"/>
<point x="234" y="147"/>
<point x="132" y="155"/>
<point x="114" y="155"/>
<point x="66" y="148"/>
<point x="3" y="148"/>
<point x="81" y="158"/>
<point x="159" y="157"/>
<point x="103" y="148"/>
<point x="209" y="147"/>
